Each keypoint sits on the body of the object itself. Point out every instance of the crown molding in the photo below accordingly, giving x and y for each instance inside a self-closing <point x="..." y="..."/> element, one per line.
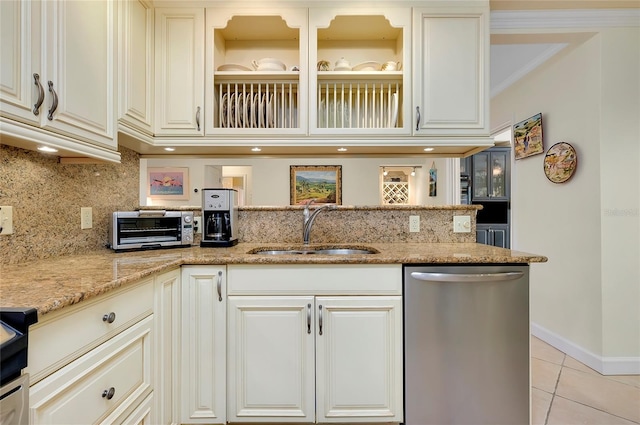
<point x="587" y="19"/>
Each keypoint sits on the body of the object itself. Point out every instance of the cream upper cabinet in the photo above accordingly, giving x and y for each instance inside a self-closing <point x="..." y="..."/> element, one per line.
<point x="80" y="64"/>
<point x="135" y="66"/>
<point x="179" y="71"/>
<point x="21" y="89"/>
<point x="58" y="74"/>
<point x="256" y="71"/>
<point x="359" y="81"/>
<point x="451" y="69"/>
<point x="203" y="355"/>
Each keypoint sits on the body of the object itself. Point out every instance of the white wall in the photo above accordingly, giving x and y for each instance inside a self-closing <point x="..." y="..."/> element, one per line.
<point x="588" y="294"/>
<point x="270" y="178"/>
<point x="620" y="192"/>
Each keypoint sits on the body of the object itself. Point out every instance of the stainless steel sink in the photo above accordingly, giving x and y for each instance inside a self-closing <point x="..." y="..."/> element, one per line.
<point x="316" y="251"/>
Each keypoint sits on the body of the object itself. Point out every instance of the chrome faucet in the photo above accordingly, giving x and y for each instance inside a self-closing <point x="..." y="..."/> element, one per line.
<point x="310" y="217"/>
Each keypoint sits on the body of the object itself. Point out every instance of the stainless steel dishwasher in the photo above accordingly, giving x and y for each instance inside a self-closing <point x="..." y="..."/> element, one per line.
<point x="466" y="345"/>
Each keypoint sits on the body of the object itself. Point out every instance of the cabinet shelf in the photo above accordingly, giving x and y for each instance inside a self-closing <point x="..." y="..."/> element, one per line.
<point x="360" y="75"/>
<point x="256" y="76"/>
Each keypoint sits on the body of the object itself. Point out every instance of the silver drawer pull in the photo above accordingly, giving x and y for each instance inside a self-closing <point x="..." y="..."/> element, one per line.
<point x="219" y="285"/>
<point x="109" y="318"/>
<point x="320" y="319"/>
<point x="308" y="318"/>
<point x="108" y="394"/>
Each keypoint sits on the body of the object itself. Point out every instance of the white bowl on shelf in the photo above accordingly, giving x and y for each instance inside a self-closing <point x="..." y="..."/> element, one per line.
<point x="268" y="64"/>
<point x="368" y="66"/>
<point x="233" y="67"/>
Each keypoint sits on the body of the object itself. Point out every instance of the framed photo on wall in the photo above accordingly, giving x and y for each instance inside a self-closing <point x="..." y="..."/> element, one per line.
<point x="168" y="183"/>
<point x="527" y="137"/>
<point x="322" y="183"/>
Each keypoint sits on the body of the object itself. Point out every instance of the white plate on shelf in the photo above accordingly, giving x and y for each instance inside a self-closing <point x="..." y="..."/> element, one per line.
<point x="270" y="114"/>
<point x="232" y="110"/>
<point x="224" y="105"/>
<point x="368" y="66"/>
<point x="240" y="111"/>
<point x="342" y="68"/>
<point x="394" y="105"/>
<point x="233" y="67"/>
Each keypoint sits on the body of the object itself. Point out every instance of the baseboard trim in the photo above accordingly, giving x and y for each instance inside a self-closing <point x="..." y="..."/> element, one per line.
<point x="604" y="365"/>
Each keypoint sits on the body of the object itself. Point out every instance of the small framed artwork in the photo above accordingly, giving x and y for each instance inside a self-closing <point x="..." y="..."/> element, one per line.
<point x="527" y="137"/>
<point x="168" y="183"/>
<point x="322" y="183"/>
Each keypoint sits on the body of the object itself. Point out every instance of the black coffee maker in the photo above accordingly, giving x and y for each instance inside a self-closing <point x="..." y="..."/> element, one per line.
<point x="219" y="217"/>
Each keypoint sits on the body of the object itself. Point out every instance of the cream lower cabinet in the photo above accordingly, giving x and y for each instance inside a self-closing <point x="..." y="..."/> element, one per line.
<point x="309" y="357"/>
<point x="110" y="360"/>
<point x="203" y="345"/>
<point x="167" y="347"/>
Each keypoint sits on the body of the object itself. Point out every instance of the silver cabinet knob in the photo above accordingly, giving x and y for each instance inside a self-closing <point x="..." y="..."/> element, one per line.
<point x="108" y="394"/>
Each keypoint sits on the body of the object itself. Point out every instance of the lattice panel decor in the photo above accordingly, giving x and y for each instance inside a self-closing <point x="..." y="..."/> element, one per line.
<point x="395" y="193"/>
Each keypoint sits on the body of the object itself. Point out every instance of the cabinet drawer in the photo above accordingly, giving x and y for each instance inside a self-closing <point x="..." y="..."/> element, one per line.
<point x="314" y="279"/>
<point x="79" y="392"/>
<point x="58" y="340"/>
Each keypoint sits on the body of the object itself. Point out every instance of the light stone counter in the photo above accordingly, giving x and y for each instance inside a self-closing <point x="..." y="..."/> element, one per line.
<point x="51" y="284"/>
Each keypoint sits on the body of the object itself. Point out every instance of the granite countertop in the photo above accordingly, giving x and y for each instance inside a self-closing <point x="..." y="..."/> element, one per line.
<point x="49" y="285"/>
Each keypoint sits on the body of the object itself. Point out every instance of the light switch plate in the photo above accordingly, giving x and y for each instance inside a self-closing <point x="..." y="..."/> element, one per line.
<point x="86" y="218"/>
<point x="461" y="224"/>
<point x="414" y="223"/>
<point x="6" y="220"/>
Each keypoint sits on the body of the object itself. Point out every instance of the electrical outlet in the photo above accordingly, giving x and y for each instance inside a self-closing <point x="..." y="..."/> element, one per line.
<point x="461" y="224"/>
<point x="86" y="218"/>
<point x="414" y="223"/>
<point x="197" y="224"/>
<point x="6" y="220"/>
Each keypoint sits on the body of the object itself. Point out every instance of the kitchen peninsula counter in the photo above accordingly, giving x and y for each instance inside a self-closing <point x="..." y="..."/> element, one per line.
<point x="52" y="284"/>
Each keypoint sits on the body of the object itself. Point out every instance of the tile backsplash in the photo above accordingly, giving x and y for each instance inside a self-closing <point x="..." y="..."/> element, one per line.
<point x="47" y="196"/>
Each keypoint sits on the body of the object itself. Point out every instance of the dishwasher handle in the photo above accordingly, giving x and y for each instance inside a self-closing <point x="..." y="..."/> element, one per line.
<point x="466" y="277"/>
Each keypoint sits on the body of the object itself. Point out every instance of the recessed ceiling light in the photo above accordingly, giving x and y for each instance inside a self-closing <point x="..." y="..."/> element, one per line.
<point x="342" y="149"/>
<point x="256" y="149"/>
<point x="169" y="149"/>
<point x="47" y="149"/>
<point x="428" y="149"/>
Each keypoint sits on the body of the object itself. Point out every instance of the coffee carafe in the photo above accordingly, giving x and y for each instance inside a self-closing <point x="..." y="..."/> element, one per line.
<point x="219" y="215"/>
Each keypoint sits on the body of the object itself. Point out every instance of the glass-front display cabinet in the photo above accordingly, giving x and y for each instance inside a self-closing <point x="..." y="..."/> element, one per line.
<point x="491" y="175"/>
<point x="357" y="78"/>
<point x="256" y="64"/>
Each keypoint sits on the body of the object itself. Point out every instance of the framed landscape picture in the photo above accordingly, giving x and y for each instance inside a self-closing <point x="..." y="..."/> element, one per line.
<point x="322" y="183"/>
<point x="168" y="183"/>
<point x="527" y="137"/>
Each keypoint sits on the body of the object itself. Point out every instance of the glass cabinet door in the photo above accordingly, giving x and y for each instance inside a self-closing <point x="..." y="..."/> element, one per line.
<point x="480" y="175"/>
<point x="498" y="174"/>
<point x="491" y="175"/>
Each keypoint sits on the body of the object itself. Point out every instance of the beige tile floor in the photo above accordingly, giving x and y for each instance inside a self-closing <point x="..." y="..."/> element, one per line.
<point x="566" y="392"/>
